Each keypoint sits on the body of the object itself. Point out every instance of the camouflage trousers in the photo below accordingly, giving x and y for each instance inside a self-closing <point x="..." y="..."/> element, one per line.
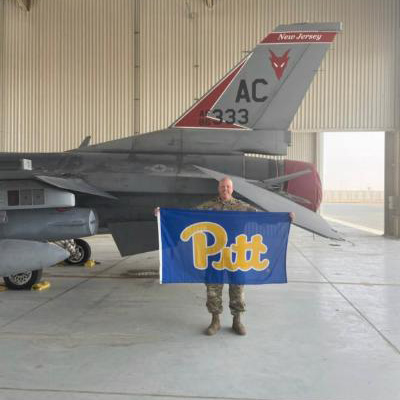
<point x="236" y="298"/>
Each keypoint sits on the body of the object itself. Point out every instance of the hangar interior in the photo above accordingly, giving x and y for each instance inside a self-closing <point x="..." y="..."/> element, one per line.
<point x="115" y="68"/>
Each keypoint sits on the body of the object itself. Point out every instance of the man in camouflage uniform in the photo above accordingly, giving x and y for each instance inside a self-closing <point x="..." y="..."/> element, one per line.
<point x="225" y="202"/>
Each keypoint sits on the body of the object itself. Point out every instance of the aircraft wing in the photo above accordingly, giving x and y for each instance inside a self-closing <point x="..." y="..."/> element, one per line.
<point x="270" y="201"/>
<point x="74" y="184"/>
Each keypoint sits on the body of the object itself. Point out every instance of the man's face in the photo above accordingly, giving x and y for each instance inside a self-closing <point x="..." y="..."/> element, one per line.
<point x="225" y="189"/>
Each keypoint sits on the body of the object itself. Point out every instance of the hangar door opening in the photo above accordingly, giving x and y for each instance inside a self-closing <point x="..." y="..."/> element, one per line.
<point x="353" y="179"/>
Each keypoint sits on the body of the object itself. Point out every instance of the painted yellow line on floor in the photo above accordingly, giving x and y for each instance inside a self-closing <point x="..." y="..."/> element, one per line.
<point x="351" y="225"/>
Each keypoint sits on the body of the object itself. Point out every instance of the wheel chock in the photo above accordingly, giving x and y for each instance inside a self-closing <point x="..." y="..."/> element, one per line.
<point x="90" y="263"/>
<point x="41" y="286"/>
<point x="3" y="288"/>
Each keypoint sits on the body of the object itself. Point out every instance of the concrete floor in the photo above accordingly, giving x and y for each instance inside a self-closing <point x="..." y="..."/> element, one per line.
<point x="331" y="333"/>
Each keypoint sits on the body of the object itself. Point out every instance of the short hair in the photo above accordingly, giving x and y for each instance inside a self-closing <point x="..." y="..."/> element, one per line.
<point x="225" y="178"/>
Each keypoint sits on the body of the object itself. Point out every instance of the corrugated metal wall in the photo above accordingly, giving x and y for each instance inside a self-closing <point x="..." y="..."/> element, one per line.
<point x="304" y="147"/>
<point x="353" y="90"/>
<point x="68" y="72"/>
<point x="68" y="66"/>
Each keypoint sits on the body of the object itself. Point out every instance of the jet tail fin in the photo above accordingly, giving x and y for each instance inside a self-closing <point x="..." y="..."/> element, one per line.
<point x="264" y="91"/>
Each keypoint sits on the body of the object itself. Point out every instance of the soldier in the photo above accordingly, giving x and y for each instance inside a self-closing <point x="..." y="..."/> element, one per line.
<point x="225" y="201"/>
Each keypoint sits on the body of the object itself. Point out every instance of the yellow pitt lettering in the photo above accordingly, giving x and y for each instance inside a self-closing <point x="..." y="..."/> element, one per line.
<point x="201" y="251"/>
<point x="225" y="261"/>
<point x="248" y="253"/>
<point x="255" y="247"/>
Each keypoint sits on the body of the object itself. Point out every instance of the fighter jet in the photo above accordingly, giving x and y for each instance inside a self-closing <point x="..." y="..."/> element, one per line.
<point x="48" y="201"/>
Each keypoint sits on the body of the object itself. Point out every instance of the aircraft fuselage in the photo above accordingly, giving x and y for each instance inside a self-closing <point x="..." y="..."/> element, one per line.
<point x="142" y="181"/>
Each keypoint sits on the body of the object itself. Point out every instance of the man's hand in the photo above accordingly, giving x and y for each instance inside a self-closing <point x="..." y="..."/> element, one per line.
<point x="156" y="211"/>
<point x="292" y="216"/>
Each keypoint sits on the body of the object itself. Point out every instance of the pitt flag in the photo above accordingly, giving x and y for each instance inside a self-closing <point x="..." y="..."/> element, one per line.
<point x="201" y="246"/>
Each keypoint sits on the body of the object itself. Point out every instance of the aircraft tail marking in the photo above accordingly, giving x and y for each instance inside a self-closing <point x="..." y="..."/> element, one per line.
<point x="197" y="116"/>
<point x="264" y="91"/>
<point x="299" y="37"/>
<point x="279" y="63"/>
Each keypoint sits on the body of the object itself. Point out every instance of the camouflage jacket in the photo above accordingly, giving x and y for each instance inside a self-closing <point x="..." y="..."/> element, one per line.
<point x="225" y="205"/>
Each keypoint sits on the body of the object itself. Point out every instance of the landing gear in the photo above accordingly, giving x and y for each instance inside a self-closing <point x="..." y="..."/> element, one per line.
<point x="81" y="253"/>
<point x="24" y="280"/>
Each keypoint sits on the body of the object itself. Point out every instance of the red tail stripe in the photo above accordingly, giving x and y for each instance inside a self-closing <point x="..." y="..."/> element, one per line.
<point x="193" y="117"/>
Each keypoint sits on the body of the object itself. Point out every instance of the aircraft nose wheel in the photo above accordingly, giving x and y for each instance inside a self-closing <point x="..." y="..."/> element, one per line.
<point x="82" y="253"/>
<point x="24" y="280"/>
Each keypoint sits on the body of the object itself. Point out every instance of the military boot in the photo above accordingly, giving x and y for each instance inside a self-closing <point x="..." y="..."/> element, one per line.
<point x="215" y="325"/>
<point x="237" y="326"/>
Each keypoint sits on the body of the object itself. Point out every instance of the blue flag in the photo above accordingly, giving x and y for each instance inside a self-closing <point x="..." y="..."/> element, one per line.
<point x="202" y="246"/>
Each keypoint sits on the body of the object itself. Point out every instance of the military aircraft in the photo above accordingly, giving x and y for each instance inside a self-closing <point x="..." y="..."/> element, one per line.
<point x="48" y="201"/>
